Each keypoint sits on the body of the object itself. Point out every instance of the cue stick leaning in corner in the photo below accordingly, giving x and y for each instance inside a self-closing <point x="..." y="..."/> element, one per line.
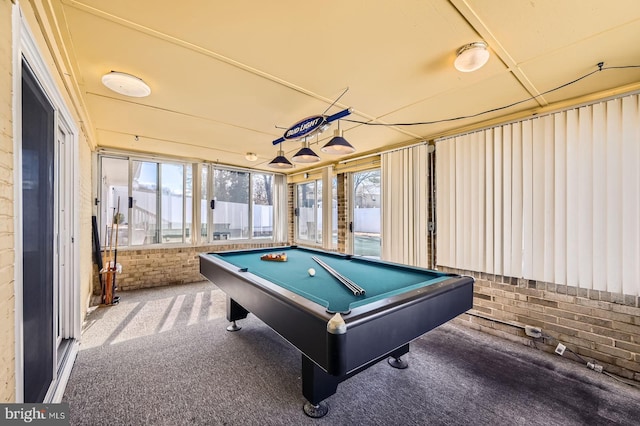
<point x="109" y="273"/>
<point x="105" y="264"/>
<point x="115" y="254"/>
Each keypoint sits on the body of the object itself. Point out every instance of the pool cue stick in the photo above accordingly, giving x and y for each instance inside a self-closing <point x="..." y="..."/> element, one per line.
<point x="349" y="282"/>
<point x="111" y="242"/>
<point x="105" y="265"/>
<point x="115" y="254"/>
<point x="117" y="226"/>
<point x="107" y="270"/>
<point x="359" y="289"/>
<point x="355" y="288"/>
<point x="103" y="254"/>
<point x="336" y="275"/>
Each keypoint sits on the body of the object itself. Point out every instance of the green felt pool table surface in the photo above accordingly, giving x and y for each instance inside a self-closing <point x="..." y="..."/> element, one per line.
<point x="379" y="279"/>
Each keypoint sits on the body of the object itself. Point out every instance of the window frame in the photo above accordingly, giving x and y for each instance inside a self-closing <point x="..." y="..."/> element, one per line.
<point x="297" y="215"/>
<point x="200" y="215"/>
<point x="210" y="216"/>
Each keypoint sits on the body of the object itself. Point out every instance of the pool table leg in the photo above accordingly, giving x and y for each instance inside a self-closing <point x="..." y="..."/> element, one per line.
<point x="394" y="359"/>
<point x="317" y="385"/>
<point x="235" y="311"/>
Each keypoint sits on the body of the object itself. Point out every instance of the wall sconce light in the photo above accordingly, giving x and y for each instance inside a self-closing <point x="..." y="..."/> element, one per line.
<point x="472" y="56"/>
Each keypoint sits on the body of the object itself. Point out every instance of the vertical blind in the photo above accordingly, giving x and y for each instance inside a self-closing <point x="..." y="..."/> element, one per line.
<point x="554" y="198"/>
<point x="405" y="205"/>
<point x="280" y="217"/>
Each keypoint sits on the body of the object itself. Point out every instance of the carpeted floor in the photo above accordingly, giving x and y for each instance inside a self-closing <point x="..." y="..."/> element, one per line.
<point x="163" y="357"/>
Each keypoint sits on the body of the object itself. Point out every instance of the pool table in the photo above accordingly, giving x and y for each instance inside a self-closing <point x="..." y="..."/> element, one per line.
<point x="338" y="333"/>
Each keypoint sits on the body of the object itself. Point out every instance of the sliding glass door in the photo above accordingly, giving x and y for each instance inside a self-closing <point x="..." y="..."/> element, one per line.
<point x="365" y="213"/>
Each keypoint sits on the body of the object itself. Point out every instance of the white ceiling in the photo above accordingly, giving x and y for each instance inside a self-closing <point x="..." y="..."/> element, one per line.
<point x="226" y="77"/>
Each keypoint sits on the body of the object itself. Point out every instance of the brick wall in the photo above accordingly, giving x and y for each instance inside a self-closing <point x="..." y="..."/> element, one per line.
<point x="596" y="325"/>
<point x="7" y="297"/>
<point x="157" y="267"/>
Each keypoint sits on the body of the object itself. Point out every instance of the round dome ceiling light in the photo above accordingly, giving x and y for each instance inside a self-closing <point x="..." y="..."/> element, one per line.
<point x="126" y="84"/>
<point x="472" y="56"/>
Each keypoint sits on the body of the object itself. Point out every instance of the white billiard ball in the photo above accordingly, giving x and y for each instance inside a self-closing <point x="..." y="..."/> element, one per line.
<point x="311" y="272"/>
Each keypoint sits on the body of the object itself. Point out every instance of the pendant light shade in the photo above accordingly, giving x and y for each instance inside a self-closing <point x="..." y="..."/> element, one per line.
<point x="280" y="162"/>
<point x="338" y="145"/>
<point x="305" y="155"/>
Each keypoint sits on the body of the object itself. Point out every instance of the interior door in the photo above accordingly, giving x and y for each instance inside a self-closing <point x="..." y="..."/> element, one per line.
<point x="38" y="238"/>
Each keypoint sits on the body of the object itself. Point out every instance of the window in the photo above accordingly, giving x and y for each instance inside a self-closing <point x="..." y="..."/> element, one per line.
<point x="240" y="205"/>
<point x="231" y="204"/>
<point x="172" y="203"/>
<point x="144" y="211"/>
<point x="188" y="203"/>
<point x="205" y="217"/>
<point x="156" y="202"/>
<point x="144" y="202"/>
<point x="114" y="189"/>
<point x="262" y="205"/>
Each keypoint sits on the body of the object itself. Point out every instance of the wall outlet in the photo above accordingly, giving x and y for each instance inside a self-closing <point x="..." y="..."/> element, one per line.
<point x="560" y="349"/>
<point x="594" y="367"/>
<point x="532" y="331"/>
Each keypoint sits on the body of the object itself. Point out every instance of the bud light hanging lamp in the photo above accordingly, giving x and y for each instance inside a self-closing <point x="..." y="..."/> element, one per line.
<point x="305" y="155"/>
<point x="280" y="162"/>
<point x="338" y="145"/>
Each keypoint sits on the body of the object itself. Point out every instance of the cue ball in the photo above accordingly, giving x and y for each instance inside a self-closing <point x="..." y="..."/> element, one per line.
<point x="311" y="272"/>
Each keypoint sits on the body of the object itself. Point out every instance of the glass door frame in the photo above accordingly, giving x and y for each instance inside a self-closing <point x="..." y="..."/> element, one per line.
<point x="351" y="216"/>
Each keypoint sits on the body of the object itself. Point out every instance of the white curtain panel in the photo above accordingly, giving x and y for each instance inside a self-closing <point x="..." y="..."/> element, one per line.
<point x="281" y="220"/>
<point x="405" y="203"/>
<point x="555" y="198"/>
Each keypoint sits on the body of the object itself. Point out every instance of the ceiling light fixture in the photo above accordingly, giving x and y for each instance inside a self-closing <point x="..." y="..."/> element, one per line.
<point x="126" y="84"/>
<point x="472" y="56"/>
<point x="251" y="156"/>
<point x="305" y="155"/>
<point x="338" y="145"/>
<point x="280" y="162"/>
